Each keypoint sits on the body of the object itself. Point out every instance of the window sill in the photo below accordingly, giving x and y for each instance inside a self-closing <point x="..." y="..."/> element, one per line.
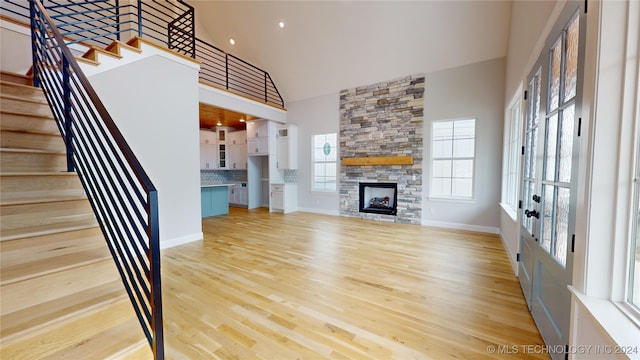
<point x="619" y="327"/>
<point x="452" y="199"/>
<point x="513" y="214"/>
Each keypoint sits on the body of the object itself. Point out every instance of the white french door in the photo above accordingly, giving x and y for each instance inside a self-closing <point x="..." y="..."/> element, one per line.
<point x="550" y="169"/>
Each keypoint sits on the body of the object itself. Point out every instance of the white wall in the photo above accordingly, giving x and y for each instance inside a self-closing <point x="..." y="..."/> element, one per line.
<point x="18" y="59"/>
<point x="318" y="115"/>
<point x="471" y="91"/>
<point x="158" y="115"/>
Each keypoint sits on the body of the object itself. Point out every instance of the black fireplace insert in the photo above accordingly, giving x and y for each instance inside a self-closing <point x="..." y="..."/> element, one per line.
<point x="379" y="198"/>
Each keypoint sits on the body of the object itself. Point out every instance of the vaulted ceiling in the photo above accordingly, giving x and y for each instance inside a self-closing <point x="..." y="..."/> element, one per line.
<point x="326" y="46"/>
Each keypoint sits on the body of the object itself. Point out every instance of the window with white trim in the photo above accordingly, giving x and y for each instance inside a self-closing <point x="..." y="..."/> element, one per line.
<point x="452" y="158"/>
<point x="511" y="161"/>
<point x="633" y="292"/>
<point x="324" y="154"/>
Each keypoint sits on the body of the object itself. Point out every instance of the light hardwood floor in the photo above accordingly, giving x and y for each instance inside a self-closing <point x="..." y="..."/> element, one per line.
<point x="305" y="286"/>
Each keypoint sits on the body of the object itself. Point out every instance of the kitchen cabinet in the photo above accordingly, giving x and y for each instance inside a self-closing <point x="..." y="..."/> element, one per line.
<point x="237" y="150"/>
<point x="207" y="150"/>
<point x="222" y="148"/>
<point x="284" y="197"/>
<point x="258" y="146"/>
<point x="214" y="200"/>
<point x="258" y="133"/>
<point x="287" y="152"/>
<point x="238" y="194"/>
<point x="257" y="129"/>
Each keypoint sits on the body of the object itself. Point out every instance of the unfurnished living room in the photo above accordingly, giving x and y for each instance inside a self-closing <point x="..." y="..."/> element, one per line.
<point x="320" y="179"/>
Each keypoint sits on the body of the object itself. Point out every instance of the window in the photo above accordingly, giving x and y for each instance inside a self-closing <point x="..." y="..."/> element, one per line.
<point x="324" y="160"/>
<point x="633" y="293"/>
<point x="453" y="153"/>
<point x="511" y="162"/>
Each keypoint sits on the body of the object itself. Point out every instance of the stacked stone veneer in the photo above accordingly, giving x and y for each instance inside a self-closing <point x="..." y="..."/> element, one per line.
<point x="384" y="119"/>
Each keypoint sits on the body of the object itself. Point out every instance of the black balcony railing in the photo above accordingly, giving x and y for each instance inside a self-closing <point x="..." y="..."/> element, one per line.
<point x="169" y="23"/>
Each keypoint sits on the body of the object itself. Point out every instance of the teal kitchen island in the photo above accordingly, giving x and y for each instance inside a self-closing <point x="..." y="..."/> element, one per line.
<point x="214" y="199"/>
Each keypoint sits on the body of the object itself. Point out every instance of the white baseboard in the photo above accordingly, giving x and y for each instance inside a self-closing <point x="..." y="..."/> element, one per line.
<point x="165" y="244"/>
<point x="320" y="211"/>
<point x="457" y="226"/>
<point x="512" y="260"/>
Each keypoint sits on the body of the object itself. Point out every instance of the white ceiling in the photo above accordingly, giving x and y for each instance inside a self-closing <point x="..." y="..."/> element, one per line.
<point x="327" y="46"/>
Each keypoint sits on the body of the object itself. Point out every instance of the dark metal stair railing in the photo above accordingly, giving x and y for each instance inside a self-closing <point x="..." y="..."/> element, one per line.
<point x="123" y="198"/>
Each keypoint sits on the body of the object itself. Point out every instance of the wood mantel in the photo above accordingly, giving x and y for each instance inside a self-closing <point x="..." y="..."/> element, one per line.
<point x="378" y="160"/>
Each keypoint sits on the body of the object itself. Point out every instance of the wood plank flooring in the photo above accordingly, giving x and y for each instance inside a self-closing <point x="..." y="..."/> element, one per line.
<point x="305" y="286"/>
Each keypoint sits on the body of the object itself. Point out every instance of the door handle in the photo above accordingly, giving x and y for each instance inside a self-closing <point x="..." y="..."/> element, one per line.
<point x="531" y="213"/>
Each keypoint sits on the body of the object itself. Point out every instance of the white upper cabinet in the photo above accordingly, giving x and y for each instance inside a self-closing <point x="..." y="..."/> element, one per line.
<point x="287" y="151"/>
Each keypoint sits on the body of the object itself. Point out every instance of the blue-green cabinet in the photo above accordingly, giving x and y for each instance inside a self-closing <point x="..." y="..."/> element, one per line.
<point x="214" y="200"/>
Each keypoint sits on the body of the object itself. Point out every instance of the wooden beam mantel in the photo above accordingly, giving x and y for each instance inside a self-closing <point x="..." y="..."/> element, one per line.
<point x="378" y="160"/>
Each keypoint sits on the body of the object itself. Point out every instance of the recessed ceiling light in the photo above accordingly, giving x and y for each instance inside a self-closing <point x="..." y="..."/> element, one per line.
<point x="281" y="24"/>
<point x="232" y="42"/>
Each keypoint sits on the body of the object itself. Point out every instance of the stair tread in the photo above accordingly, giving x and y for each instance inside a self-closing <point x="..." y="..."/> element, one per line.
<point x="42" y="101"/>
<point x="37" y="319"/>
<point x="65" y="261"/>
<point x="33" y="151"/>
<point x="49" y="198"/>
<point x="126" y="336"/>
<point x="19" y="233"/>
<point x="31" y="131"/>
<point x="41" y="173"/>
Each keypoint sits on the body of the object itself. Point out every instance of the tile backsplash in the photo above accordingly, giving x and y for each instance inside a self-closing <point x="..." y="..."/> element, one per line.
<point x="223" y="175"/>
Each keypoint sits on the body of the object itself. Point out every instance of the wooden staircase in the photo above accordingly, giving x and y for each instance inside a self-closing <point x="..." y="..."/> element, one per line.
<point x="60" y="293"/>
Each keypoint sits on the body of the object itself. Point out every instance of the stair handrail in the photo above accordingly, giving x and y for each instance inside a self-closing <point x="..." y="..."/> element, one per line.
<point x="123" y="198"/>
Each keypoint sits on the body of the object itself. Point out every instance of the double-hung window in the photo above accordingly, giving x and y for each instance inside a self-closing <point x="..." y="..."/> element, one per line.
<point x="453" y="157"/>
<point x="325" y="158"/>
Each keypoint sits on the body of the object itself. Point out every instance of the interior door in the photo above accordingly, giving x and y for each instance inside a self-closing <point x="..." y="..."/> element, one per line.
<point x="550" y="170"/>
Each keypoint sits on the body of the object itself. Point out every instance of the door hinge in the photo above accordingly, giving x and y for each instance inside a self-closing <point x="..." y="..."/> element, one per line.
<point x="525" y="94"/>
<point x="566" y="352"/>
<point x="519" y="204"/>
<point x="579" y="126"/>
<point x="573" y="242"/>
<point x="586" y="5"/>
<point x="518" y="257"/>
<point x="522" y="150"/>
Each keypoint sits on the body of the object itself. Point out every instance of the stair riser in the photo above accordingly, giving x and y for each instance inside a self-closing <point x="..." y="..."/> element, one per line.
<point x="25" y="92"/>
<point x="27" y="123"/>
<point x="16" y="78"/>
<point x="32" y="162"/>
<point x="24" y="294"/>
<point x="16" y="106"/>
<point x="35" y="186"/>
<point x="26" y="216"/>
<point x="23" y="140"/>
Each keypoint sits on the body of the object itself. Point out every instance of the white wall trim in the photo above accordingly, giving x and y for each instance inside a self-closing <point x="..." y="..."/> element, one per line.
<point x="512" y="260"/>
<point x="221" y="98"/>
<point x="320" y="211"/>
<point x="165" y="244"/>
<point x="15" y="27"/>
<point x="457" y="226"/>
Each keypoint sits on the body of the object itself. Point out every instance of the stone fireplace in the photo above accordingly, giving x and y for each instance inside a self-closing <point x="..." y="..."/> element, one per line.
<point x="383" y="122"/>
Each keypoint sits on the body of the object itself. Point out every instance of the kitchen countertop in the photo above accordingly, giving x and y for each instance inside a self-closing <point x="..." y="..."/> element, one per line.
<point x="214" y="184"/>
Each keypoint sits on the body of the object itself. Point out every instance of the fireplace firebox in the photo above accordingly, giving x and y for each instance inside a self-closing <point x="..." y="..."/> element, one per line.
<point x="379" y="198"/>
